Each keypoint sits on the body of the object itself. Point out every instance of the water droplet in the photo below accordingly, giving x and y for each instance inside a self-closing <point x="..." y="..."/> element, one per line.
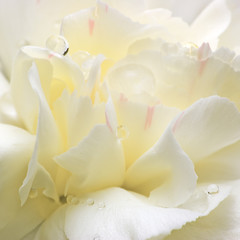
<point x="101" y="205"/>
<point x="90" y="202"/>
<point x="122" y="132"/>
<point x="72" y="199"/>
<point x="57" y="44"/>
<point x="33" y="193"/>
<point x="96" y="237"/>
<point x="212" y="189"/>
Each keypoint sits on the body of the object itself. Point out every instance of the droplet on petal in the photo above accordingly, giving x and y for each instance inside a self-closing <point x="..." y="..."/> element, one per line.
<point x="213" y="189"/>
<point x="96" y="237"/>
<point x="101" y="205"/>
<point x="72" y="200"/>
<point x="33" y="193"/>
<point x="57" y="44"/>
<point x="90" y="202"/>
<point x="122" y="132"/>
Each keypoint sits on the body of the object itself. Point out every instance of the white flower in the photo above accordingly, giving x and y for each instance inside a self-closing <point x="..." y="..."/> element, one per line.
<point x="126" y="126"/>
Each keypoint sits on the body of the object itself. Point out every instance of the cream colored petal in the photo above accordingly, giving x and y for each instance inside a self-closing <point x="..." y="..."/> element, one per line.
<point x="115" y="214"/>
<point x="56" y="73"/>
<point x="208" y="126"/>
<point x="223" y="165"/>
<point x="4" y="84"/>
<point x="164" y="172"/>
<point x="53" y="227"/>
<point x="28" y="217"/>
<point x="221" y="224"/>
<point x="16" y="149"/>
<point x="188" y="10"/>
<point x="159" y="69"/>
<point x="143" y="125"/>
<point x="176" y="27"/>
<point x="211" y="23"/>
<point x="99" y="30"/>
<point x="96" y="162"/>
<point x="31" y="23"/>
<point x="47" y="145"/>
<point x="195" y="78"/>
<point x="8" y="113"/>
<point x="76" y="116"/>
<point x="230" y="38"/>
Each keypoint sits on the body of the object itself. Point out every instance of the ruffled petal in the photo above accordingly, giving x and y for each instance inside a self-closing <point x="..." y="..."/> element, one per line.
<point x="211" y="23"/>
<point x="164" y="172"/>
<point x="76" y="116"/>
<point x="96" y="162"/>
<point x="141" y="125"/>
<point x="16" y="149"/>
<point x="99" y="30"/>
<point x="31" y="23"/>
<point x="47" y="145"/>
<point x="208" y="126"/>
<point x="221" y="224"/>
<point x="115" y="214"/>
<point x="188" y="10"/>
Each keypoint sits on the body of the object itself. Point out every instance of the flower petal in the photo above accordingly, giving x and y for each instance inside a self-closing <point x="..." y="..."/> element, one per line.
<point x="187" y="10"/>
<point x="115" y="214"/>
<point x="56" y="72"/>
<point x="96" y="162"/>
<point x="223" y="165"/>
<point x="211" y="23"/>
<point x="47" y="145"/>
<point x="31" y="23"/>
<point x="16" y="149"/>
<point x="221" y="224"/>
<point x="143" y="124"/>
<point x="98" y="31"/>
<point x="230" y="38"/>
<point x="165" y="172"/>
<point x="76" y="116"/>
<point x="208" y="126"/>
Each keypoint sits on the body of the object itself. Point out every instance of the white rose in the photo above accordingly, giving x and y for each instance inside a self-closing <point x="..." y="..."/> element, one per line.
<point x="121" y="136"/>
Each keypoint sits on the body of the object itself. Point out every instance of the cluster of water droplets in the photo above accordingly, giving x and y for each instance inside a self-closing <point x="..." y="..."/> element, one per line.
<point x="74" y="200"/>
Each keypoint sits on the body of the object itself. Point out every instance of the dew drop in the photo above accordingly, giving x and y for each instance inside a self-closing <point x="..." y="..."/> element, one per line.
<point x="57" y="44"/>
<point x="96" y="237"/>
<point x="72" y="199"/>
<point x="213" y="189"/>
<point x="90" y="202"/>
<point x="122" y="132"/>
<point x="33" y="193"/>
<point x="101" y="205"/>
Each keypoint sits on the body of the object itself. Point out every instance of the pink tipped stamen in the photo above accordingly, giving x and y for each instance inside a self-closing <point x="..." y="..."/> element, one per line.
<point x="149" y="117"/>
<point x="91" y="24"/>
